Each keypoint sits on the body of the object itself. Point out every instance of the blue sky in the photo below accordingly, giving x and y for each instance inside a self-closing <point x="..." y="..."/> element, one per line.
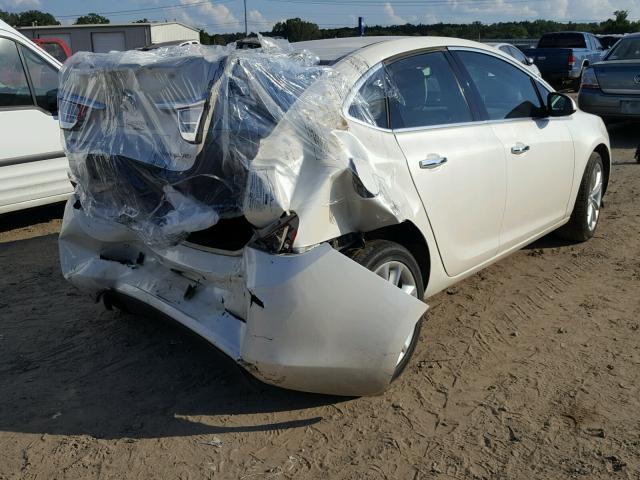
<point x="228" y="15"/>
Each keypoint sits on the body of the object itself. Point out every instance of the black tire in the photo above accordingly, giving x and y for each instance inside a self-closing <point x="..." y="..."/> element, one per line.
<point x="578" y="229"/>
<point x="374" y="254"/>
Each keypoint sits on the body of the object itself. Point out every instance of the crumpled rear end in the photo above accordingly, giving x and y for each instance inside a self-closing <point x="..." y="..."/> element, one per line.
<point x="172" y="141"/>
<point x="305" y="321"/>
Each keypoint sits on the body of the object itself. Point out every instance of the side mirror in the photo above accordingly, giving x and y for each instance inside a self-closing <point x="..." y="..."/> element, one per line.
<point x="529" y="61"/>
<point x="560" y="105"/>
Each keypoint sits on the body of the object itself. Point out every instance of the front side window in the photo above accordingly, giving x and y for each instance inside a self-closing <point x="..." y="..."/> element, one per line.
<point x="44" y="78"/>
<point x="14" y="87"/>
<point x="506" y="91"/>
<point x="423" y="91"/>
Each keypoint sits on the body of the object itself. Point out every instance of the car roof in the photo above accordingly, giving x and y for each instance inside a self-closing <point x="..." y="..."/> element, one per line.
<point x="375" y="49"/>
<point x="566" y="32"/>
<point x="331" y="49"/>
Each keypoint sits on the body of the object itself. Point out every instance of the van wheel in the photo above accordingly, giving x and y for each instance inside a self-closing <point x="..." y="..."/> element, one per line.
<point x="395" y="264"/>
<point x="586" y="211"/>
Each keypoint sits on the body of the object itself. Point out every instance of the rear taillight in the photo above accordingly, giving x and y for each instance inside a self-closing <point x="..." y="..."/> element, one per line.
<point x="74" y="109"/>
<point x="189" y="116"/>
<point x="279" y="236"/>
<point x="571" y="60"/>
<point x="589" y="79"/>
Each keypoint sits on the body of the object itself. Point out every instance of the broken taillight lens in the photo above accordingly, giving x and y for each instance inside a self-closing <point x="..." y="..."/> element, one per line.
<point x="74" y="109"/>
<point x="279" y="236"/>
<point x="589" y="79"/>
<point x="189" y="116"/>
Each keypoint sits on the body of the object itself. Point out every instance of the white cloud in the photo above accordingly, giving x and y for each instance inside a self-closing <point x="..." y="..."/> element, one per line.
<point x="19" y="4"/>
<point x="210" y="16"/>
<point x="257" y="22"/>
<point x="490" y="11"/>
<point x="392" y="17"/>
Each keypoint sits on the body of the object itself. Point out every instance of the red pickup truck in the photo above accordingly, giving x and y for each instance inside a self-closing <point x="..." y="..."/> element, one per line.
<point x="55" y="47"/>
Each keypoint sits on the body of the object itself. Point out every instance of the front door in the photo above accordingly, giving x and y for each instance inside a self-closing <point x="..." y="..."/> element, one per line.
<point x="539" y="150"/>
<point x="32" y="164"/>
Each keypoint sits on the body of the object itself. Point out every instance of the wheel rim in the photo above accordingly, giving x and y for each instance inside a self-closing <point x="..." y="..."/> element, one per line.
<point x="400" y="275"/>
<point x="595" y="197"/>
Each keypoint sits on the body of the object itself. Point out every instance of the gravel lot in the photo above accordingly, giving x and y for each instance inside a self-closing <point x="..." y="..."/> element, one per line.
<point x="529" y="369"/>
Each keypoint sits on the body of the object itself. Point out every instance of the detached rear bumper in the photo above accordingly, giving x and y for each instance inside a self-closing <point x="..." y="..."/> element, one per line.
<point x="315" y="321"/>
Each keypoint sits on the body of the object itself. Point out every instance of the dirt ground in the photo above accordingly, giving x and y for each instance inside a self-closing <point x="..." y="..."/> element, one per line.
<point x="528" y="370"/>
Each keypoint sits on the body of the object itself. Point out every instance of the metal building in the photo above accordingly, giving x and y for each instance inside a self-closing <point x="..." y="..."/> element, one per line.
<point x="114" y="36"/>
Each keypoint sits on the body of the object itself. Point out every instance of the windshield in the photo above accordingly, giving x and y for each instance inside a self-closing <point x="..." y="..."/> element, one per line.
<point x="562" y="40"/>
<point x="626" y="49"/>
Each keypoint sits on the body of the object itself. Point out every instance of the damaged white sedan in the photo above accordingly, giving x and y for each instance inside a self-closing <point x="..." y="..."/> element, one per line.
<point x="296" y="208"/>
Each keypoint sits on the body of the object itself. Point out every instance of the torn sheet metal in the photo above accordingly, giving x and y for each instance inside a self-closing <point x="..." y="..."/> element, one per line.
<point x="315" y="332"/>
<point x="172" y="140"/>
<point x="288" y="319"/>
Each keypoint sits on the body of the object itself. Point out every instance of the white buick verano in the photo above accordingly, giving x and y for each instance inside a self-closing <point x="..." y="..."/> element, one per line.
<point x="307" y="210"/>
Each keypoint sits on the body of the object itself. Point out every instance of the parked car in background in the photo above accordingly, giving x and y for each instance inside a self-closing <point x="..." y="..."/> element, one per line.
<point x="56" y="47"/>
<point x="316" y="206"/>
<point x="609" y="40"/>
<point x="33" y="167"/>
<point x="516" y="53"/>
<point x="173" y="43"/>
<point x="561" y="57"/>
<point x="611" y="88"/>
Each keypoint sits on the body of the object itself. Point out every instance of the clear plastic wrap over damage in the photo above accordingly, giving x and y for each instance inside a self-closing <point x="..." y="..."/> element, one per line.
<point x="178" y="139"/>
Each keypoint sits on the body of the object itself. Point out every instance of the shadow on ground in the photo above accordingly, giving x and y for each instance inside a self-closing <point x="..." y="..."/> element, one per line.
<point x="31" y="216"/>
<point x="624" y="135"/>
<point x="69" y="367"/>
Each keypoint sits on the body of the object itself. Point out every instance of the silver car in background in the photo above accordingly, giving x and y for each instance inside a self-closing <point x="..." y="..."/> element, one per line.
<point x="516" y="53"/>
<point x="611" y="88"/>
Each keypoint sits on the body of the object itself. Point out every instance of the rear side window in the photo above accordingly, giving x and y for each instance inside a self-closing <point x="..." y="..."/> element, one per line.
<point x="518" y="55"/>
<point x="423" y="91"/>
<point x="626" y="49"/>
<point x="506" y="91"/>
<point x="14" y="87"/>
<point x="596" y="43"/>
<point x="44" y="79"/>
<point x="56" y="51"/>
<point x="562" y="40"/>
<point x="370" y="105"/>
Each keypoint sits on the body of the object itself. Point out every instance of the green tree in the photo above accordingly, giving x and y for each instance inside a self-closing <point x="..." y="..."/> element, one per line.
<point x="296" y="30"/>
<point x="143" y="20"/>
<point x="91" y="19"/>
<point x="619" y="24"/>
<point x="10" y="18"/>
<point x="35" y="17"/>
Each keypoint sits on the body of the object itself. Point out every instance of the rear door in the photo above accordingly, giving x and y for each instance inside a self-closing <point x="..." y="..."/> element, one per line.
<point x="539" y="150"/>
<point x="33" y="168"/>
<point x="457" y="163"/>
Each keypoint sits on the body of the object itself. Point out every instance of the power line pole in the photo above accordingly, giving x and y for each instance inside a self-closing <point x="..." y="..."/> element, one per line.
<point x="246" y="30"/>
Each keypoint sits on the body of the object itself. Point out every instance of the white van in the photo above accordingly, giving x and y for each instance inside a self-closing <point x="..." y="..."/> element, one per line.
<point x="33" y="166"/>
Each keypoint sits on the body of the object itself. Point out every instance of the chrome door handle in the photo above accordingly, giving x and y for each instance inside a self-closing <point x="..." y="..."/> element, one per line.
<point x="432" y="161"/>
<point x="520" y="148"/>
